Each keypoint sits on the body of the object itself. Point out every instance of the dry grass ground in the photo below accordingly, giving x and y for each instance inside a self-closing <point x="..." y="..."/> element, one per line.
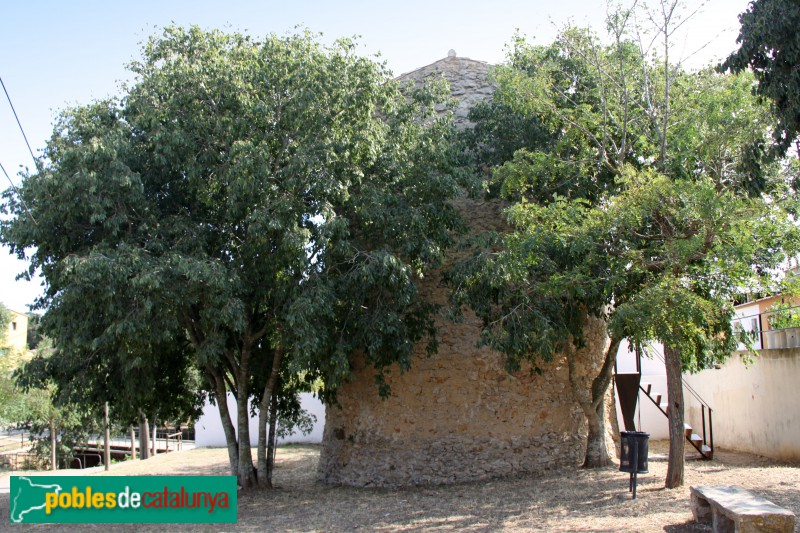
<point x="574" y="500"/>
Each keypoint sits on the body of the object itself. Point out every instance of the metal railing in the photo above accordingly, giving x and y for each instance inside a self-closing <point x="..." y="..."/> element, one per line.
<point x="770" y="330"/>
<point x="708" y="430"/>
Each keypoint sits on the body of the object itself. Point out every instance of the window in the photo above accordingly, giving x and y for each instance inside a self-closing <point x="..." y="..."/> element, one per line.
<point x="13" y="326"/>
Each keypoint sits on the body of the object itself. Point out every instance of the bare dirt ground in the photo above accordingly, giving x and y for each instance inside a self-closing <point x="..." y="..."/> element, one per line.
<point x="573" y="500"/>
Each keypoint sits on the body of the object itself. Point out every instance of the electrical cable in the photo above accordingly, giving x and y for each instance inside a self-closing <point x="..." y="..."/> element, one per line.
<point x="30" y="151"/>
<point x="19" y="124"/>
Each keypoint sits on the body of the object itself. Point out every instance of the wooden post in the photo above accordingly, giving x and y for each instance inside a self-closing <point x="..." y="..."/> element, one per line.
<point x="155" y="449"/>
<point x="107" y="439"/>
<point x="144" y="438"/>
<point x="133" y="444"/>
<point x="53" y="442"/>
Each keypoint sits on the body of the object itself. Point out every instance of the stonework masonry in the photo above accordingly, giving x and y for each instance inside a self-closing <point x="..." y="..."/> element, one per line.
<point x="458" y="415"/>
<point x="468" y="79"/>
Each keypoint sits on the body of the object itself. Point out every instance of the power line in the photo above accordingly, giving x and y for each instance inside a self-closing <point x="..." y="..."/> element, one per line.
<point x="30" y="151"/>
<point x="19" y="124"/>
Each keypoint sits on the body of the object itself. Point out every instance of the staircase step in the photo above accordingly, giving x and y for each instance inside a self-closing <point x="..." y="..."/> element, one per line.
<point x="687" y="429"/>
<point x="658" y="399"/>
<point x="646" y="387"/>
<point x="708" y="453"/>
<point x="663" y="406"/>
<point x="696" y="439"/>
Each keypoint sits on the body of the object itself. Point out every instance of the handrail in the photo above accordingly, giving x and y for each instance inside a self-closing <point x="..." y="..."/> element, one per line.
<point x="768" y="312"/>
<point x="703" y="406"/>
<point x="686" y="385"/>
<point x="763" y="336"/>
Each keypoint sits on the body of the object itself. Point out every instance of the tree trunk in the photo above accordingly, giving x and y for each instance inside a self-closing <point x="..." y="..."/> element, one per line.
<point x="264" y="414"/>
<point x="53" y="442"/>
<point x="225" y="416"/>
<point x="262" y="454"/>
<point x="596" y="452"/>
<point x="597" y="455"/>
<point x="273" y="426"/>
<point x="592" y="402"/>
<point x="133" y="444"/>
<point x="144" y="437"/>
<point x="677" y="437"/>
<point x="106" y="439"/>
<point x="247" y="475"/>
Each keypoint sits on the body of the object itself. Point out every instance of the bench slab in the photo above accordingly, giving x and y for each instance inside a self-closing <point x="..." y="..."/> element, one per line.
<point x="733" y="509"/>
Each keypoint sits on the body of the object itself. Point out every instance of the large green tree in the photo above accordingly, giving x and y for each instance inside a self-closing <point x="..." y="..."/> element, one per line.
<point x="581" y="99"/>
<point x="769" y="45"/>
<point x="257" y="209"/>
<point x="647" y="207"/>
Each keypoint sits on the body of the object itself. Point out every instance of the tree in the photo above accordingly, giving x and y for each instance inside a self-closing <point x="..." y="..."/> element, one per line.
<point x="689" y="249"/>
<point x="257" y="210"/>
<point x="648" y="208"/>
<point x="34" y="336"/>
<point x="586" y="125"/>
<point x="770" y="46"/>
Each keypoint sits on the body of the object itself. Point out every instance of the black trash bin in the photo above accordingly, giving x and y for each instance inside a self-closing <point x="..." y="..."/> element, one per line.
<point x="633" y="455"/>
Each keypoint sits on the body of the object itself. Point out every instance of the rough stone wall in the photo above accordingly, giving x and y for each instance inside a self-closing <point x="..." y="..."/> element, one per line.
<point x="467" y="78"/>
<point x="457" y="415"/>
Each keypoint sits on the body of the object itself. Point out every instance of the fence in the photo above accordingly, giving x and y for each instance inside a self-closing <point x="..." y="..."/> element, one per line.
<point x="769" y="330"/>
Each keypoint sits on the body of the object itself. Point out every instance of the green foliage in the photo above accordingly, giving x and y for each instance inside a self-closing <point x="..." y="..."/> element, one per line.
<point x="769" y="45"/>
<point x="606" y="224"/>
<point x="590" y="126"/>
<point x="34" y="334"/>
<point x="689" y="248"/>
<point x="783" y="315"/>
<point x="29" y="407"/>
<point x="247" y="202"/>
<point x="34" y="411"/>
<point x="717" y="131"/>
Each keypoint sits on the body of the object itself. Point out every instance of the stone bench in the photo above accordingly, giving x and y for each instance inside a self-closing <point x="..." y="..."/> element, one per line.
<point x="732" y="509"/>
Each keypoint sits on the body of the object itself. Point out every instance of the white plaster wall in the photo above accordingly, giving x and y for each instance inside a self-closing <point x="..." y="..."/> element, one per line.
<point x="747" y="318"/>
<point x="208" y="428"/>
<point x="756" y="408"/>
<point x="648" y="417"/>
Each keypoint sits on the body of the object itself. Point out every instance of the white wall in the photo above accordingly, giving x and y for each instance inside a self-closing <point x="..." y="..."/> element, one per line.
<point x="756" y="407"/>
<point x="648" y="417"/>
<point x="747" y="318"/>
<point x="208" y="428"/>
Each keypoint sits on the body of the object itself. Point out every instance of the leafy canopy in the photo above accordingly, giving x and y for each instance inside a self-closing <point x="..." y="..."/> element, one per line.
<point x="769" y="45"/>
<point x="606" y="223"/>
<point x="243" y="197"/>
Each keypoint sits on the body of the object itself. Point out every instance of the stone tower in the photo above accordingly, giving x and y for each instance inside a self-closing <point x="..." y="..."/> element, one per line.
<point x="457" y="415"/>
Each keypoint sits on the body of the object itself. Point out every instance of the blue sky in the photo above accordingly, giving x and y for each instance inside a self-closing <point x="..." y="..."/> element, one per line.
<point x="54" y="54"/>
